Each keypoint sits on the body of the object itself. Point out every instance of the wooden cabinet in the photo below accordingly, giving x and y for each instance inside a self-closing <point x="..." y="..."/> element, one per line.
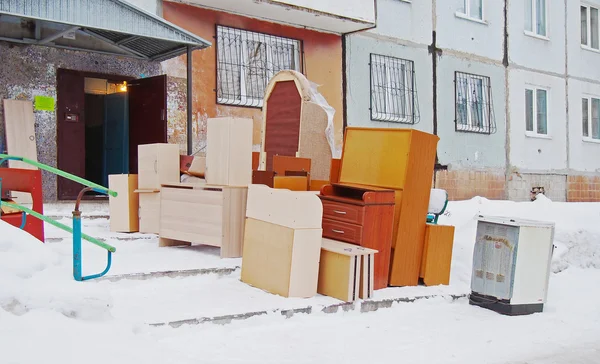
<point x="157" y="164"/>
<point x="361" y="215"/>
<point x="123" y="208"/>
<point x="203" y="214"/>
<point x="229" y="151"/>
<point x="401" y="160"/>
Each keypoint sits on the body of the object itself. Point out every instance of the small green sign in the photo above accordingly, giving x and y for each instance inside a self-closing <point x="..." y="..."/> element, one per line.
<point x="44" y="103"/>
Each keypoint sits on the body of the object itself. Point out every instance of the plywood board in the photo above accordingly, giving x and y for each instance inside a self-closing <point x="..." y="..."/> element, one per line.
<point x="339" y="275"/>
<point x="306" y="252"/>
<point x="294" y="209"/>
<point x="124" y="208"/>
<point x="313" y="142"/>
<point x="234" y="220"/>
<point x="20" y="137"/>
<point x="282" y="163"/>
<point x="149" y="212"/>
<point x="437" y="254"/>
<point x="292" y="183"/>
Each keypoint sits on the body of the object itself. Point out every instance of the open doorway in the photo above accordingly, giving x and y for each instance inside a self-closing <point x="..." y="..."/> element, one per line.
<point x="101" y="119"/>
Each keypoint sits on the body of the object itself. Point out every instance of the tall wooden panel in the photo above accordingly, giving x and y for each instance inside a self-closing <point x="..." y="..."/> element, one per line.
<point x="20" y="137"/>
<point x="437" y="254"/>
<point x="229" y="151"/>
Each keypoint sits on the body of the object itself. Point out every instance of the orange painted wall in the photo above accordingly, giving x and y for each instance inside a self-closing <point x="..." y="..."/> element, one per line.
<point x="322" y="56"/>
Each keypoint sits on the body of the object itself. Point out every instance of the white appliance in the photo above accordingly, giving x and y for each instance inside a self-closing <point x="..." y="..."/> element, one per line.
<point x="511" y="264"/>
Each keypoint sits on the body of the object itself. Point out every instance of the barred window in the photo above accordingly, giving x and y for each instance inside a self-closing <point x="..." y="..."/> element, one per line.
<point x="246" y="61"/>
<point x="474" y="111"/>
<point x="393" y="92"/>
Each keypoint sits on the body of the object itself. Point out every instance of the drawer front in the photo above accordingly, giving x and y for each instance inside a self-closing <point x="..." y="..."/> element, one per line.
<point x="342" y="231"/>
<point x="343" y="212"/>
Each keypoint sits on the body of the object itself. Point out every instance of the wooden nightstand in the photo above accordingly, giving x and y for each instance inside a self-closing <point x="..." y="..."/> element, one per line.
<point x="361" y="215"/>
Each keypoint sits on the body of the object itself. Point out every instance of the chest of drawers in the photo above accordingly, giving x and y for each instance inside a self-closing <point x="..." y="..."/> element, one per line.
<point x="361" y="215"/>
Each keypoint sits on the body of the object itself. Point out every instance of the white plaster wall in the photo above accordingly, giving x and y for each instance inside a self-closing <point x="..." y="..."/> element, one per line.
<point x="583" y="154"/>
<point x="410" y="21"/>
<point x="152" y="6"/>
<point x="582" y="62"/>
<point x="463" y="149"/>
<point x="354" y="9"/>
<point x="536" y="52"/>
<point x="536" y="153"/>
<point x="359" y="48"/>
<point x="483" y="39"/>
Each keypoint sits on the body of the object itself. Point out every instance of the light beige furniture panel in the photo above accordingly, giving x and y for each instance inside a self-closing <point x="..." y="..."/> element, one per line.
<point x="149" y="211"/>
<point x="124" y="208"/>
<point x="157" y="164"/>
<point x="229" y="151"/>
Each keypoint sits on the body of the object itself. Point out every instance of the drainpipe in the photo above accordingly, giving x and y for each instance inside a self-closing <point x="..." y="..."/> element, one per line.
<point x="190" y="138"/>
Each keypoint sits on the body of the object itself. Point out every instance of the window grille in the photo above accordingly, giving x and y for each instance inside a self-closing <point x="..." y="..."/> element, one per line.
<point x="247" y="60"/>
<point x="474" y="109"/>
<point x="393" y="91"/>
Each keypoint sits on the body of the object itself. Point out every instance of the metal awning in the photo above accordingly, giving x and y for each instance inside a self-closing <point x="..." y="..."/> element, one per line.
<point x="104" y="26"/>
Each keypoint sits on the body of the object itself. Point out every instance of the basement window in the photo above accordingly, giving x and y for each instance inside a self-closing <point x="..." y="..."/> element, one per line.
<point x="246" y="61"/>
<point x="393" y="91"/>
<point x="474" y="111"/>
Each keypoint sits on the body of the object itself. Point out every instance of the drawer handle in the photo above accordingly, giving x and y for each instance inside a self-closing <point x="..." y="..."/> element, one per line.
<point x="337" y="231"/>
<point x="340" y="212"/>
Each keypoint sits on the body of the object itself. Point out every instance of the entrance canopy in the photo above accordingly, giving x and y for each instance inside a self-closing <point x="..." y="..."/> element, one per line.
<point x="102" y="26"/>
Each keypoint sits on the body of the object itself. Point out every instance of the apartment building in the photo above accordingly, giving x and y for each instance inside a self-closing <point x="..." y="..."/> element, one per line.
<point x="509" y="86"/>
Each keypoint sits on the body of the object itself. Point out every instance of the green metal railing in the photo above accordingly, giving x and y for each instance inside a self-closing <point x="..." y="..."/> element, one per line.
<point x="76" y="229"/>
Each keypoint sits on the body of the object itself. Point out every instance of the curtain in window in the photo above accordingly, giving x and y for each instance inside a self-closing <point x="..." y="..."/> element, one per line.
<point x="397" y="91"/>
<point x="529" y="110"/>
<point x="255" y="69"/>
<point x="529" y="15"/>
<point x="596" y="118"/>
<point x="476" y="9"/>
<point x="542" y="113"/>
<point x="477" y="102"/>
<point x="541" y="17"/>
<point x="594" y="28"/>
<point x="584" y="28"/>
<point x="585" y="116"/>
<point x="462" y="90"/>
<point x="229" y="74"/>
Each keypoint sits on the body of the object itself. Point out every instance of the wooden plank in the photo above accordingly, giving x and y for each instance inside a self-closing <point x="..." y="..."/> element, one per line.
<point x="19" y="125"/>
<point x="282" y="163"/>
<point x="149" y="213"/>
<point x="255" y="160"/>
<point x="124" y="208"/>
<point x="316" y="185"/>
<point x="339" y="275"/>
<point x="437" y="254"/>
<point x="234" y="220"/>
<point x="367" y="276"/>
<point x="334" y="171"/>
<point x="292" y="183"/>
<point x="263" y="178"/>
<point x="294" y="209"/>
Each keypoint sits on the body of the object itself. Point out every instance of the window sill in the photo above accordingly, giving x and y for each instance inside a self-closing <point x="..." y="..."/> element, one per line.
<point x="406" y="1"/>
<point x="591" y="140"/>
<point x="590" y="49"/>
<point x="466" y="17"/>
<point x="535" y="35"/>
<point x="530" y="134"/>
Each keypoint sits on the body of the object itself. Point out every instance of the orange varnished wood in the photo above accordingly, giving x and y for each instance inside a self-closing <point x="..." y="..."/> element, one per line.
<point x="402" y="159"/>
<point x="342" y="231"/>
<point x="263" y="178"/>
<point x="293" y="183"/>
<point x="316" y="184"/>
<point x="282" y="163"/>
<point x="437" y="254"/>
<point x="255" y="160"/>
<point x="334" y="173"/>
<point x="346" y="208"/>
<point x="340" y="211"/>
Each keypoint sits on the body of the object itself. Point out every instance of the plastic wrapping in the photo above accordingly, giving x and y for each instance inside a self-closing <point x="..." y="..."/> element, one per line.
<point x="318" y="99"/>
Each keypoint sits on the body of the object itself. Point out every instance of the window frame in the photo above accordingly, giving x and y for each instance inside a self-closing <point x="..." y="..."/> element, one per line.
<point x="588" y="44"/>
<point x="244" y="99"/>
<point x="533" y="32"/>
<point x="534" y="132"/>
<point x="410" y="91"/>
<point x="488" y="126"/>
<point x="590" y="137"/>
<point x="467" y="11"/>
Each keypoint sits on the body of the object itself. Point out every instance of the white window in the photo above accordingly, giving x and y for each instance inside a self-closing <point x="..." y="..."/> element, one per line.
<point x="473" y="103"/>
<point x="472" y="9"/>
<point x="536" y="111"/>
<point x="590" y="119"/>
<point x="535" y="17"/>
<point x="393" y="90"/>
<point x="246" y="61"/>
<point x="589" y="27"/>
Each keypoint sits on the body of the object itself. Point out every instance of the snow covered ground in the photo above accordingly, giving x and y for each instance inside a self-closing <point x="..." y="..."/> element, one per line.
<point x="46" y="316"/>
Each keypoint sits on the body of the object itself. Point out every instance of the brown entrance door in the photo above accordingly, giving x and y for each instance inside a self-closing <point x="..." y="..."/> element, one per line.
<point x="147" y="115"/>
<point x="71" y="131"/>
